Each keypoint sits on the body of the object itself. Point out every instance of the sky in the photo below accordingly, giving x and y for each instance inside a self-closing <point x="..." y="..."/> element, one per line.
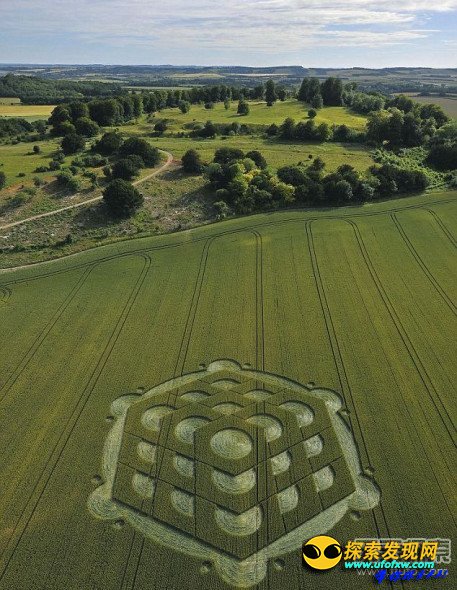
<point x="326" y="33"/>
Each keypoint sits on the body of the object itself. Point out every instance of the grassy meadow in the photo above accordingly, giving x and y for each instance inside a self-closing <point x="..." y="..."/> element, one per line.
<point x="358" y="300"/>
<point x="261" y="114"/>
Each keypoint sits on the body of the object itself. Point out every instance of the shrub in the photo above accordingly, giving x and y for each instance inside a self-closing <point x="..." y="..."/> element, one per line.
<point x="36" y="149"/>
<point x="125" y="168"/>
<point x="257" y="158"/>
<point x="140" y="147"/>
<point x="122" y="198"/>
<point x="54" y="165"/>
<point x="160" y="127"/>
<point x="192" y="162"/>
<point x="221" y="209"/>
<point x="312" y="113"/>
<point x="41" y="169"/>
<point x="2" y="180"/>
<point x="243" y="108"/>
<point x="66" y="180"/>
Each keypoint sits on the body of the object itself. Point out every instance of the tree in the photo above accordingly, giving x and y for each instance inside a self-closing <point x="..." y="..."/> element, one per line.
<point x="140" y="147"/>
<point x="60" y="114"/>
<point x="281" y="93"/>
<point x="332" y="92"/>
<point x="109" y="143"/>
<point x="64" y="128"/>
<point x="122" y="198"/>
<point x="125" y="168"/>
<point x="287" y="129"/>
<point x="310" y="87"/>
<point x="227" y="104"/>
<point x="72" y="143"/>
<point x="2" y="180"/>
<point x="36" y="149"/>
<point x="317" y="102"/>
<point x="192" y="162"/>
<point x="105" y="112"/>
<point x="87" y="127"/>
<point x="270" y="93"/>
<point x="184" y="106"/>
<point x="312" y="113"/>
<point x="78" y="110"/>
<point x="243" y="107"/>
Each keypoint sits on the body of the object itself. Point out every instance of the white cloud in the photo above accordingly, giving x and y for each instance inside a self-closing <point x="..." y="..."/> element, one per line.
<point x="264" y="25"/>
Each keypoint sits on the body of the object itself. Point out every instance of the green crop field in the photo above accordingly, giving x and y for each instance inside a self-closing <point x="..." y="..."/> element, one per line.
<point x="24" y="111"/>
<point x="448" y="103"/>
<point x="339" y="325"/>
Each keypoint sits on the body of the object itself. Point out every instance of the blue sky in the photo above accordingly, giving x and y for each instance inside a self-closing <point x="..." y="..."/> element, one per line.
<point x="328" y="33"/>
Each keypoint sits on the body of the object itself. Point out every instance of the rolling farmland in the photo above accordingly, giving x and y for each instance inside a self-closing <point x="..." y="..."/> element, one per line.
<point x="356" y="304"/>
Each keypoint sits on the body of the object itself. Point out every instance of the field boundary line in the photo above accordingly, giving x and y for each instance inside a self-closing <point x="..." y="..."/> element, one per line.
<point x="413" y="354"/>
<point x="88" y="201"/>
<point x="28" y="356"/>
<point x="407" y="342"/>
<point x="442" y="225"/>
<point x="185" y="340"/>
<point x="260" y="319"/>
<point x="5" y="271"/>
<point x="422" y="264"/>
<point x="59" y="447"/>
<point x="339" y="364"/>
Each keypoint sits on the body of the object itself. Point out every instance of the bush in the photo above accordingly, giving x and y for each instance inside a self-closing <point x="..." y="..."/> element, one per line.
<point x="160" y="127"/>
<point x="54" y="165"/>
<point x="209" y="105"/>
<point x="184" y="106"/>
<point x="125" y="168"/>
<point x="66" y="180"/>
<point x="72" y="143"/>
<point x="192" y="162"/>
<point x="243" y="108"/>
<point x="41" y="169"/>
<point x="257" y="158"/>
<point x="312" y="113"/>
<point x="36" y="149"/>
<point x="122" y="198"/>
<point x="221" y="209"/>
<point x="2" y="180"/>
<point x="228" y="154"/>
<point x="140" y="147"/>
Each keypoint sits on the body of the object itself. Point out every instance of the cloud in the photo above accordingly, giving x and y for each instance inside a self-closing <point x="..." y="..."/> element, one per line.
<point x="259" y="25"/>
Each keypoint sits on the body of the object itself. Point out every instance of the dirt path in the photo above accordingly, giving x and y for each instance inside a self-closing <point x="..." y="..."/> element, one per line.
<point x="92" y="200"/>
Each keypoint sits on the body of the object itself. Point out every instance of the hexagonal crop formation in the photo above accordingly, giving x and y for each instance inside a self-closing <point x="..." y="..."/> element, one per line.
<point x="237" y="462"/>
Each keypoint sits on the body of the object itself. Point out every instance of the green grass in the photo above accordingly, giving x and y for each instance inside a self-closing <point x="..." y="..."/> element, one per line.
<point x="19" y="158"/>
<point x="7" y="100"/>
<point x="277" y="153"/>
<point x="261" y="114"/>
<point x="357" y="300"/>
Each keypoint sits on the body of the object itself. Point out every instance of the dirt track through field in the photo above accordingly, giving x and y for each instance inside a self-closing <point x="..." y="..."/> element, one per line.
<point x="93" y="199"/>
